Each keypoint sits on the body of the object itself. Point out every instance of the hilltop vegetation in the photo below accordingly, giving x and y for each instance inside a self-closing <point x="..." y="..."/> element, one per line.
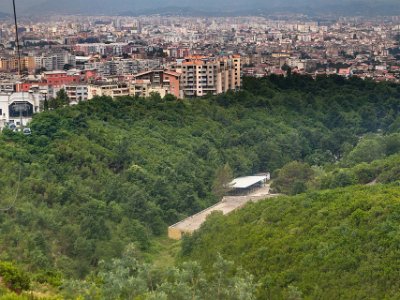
<point x="108" y="173"/>
<point x="339" y="244"/>
<point x="375" y="159"/>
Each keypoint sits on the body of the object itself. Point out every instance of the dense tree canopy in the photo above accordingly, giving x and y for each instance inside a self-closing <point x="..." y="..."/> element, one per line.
<point x="339" y="244"/>
<point x="107" y="173"/>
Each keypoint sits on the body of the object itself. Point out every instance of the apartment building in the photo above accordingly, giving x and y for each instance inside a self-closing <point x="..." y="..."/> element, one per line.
<point x="102" y="48"/>
<point x="119" y="67"/>
<point x="111" y="89"/>
<point x="203" y="75"/>
<point x="54" y="61"/>
<point x="76" y="92"/>
<point x="162" y="81"/>
<point x="10" y="64"/>
<point x="59" y="78"/>
<point x="144" y="88"/>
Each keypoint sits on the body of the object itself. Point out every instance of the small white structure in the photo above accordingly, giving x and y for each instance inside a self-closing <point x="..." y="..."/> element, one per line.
<point x="247" y="184"/>
<point x="18" y="107"/>
<point x="257" y="190"/>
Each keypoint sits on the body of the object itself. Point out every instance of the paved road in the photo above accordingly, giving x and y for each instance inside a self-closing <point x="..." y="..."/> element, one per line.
<point x="227" y="205"/>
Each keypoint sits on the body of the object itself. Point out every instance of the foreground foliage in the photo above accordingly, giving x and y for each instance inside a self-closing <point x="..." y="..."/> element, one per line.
<point x="127" y="278"/>
<point x="339" y="244"/>
<point x="13" y="277"/>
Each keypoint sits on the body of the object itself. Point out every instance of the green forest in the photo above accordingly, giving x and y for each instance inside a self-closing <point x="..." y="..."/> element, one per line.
<point x="88" y="196"/>
<point x="336" y="244"/>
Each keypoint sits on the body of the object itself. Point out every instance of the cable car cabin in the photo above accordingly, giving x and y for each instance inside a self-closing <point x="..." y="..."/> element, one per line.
<point x="12" y="126"/>
<point x="27" y="131"/>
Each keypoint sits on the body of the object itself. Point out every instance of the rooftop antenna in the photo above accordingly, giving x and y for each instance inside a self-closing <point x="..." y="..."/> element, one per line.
<point x="17" y="39"/>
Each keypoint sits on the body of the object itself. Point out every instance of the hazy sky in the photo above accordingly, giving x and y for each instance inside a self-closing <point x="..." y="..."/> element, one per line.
<point x="6" y="5"/>
<point x="119" y="6"/>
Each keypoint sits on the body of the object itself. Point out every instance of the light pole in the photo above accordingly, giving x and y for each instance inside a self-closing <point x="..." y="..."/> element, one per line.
<point x="45" y="102"/>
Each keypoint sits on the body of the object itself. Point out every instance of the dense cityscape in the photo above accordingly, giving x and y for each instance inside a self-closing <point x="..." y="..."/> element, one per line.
<point x="187" y="56"/>
<point x="183" y="56"/>
<point x="116" y="49"/>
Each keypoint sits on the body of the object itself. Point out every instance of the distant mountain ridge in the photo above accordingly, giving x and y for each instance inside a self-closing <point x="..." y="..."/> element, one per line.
<point x="4" y="15"/>
<point x="212" y="7"/>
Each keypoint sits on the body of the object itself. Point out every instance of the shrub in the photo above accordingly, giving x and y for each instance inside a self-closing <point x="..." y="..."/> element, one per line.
<point x="13" y="277"/>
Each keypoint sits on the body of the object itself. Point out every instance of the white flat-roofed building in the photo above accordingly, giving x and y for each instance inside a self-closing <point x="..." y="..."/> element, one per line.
<point x="18" y="107"/>
<point x="256" y="189"/>
<point x="247" y="181"/>
<point x="248" y="184"/>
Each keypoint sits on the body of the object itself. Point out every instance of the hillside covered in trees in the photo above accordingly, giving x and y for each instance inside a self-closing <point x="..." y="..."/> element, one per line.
<point x="337" y="244"/>
<point x="96" y="179"/>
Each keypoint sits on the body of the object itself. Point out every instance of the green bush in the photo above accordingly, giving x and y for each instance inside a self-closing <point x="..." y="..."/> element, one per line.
<point x="50" y="277"/>
<point x="365" y="173"/>
<point x="292" y="178"/>
<point x="13" y="277"/>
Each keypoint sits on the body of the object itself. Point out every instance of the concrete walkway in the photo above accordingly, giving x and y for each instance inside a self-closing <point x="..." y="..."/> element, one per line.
<point x="227" y="205"/>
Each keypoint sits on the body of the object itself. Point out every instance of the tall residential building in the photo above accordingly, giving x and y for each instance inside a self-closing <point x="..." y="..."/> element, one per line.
<point x="54" y="61"/>
<point x="203" y="75"/>
<point x="119" y="67"/>
<point x="76" y="92"/>
<point x="10" y="64"/>
<point x="102" y="48"/>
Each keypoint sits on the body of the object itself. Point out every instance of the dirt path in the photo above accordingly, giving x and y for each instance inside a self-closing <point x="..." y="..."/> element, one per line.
<point x="227" y="205"/>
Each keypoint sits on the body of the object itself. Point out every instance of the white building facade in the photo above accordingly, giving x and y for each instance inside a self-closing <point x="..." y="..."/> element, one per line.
<point x="18" y="108"/>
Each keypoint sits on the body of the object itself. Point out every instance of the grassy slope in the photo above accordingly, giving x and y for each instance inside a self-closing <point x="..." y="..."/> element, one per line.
<point x="164" y="252"/>
<point x="338" y="244"/>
